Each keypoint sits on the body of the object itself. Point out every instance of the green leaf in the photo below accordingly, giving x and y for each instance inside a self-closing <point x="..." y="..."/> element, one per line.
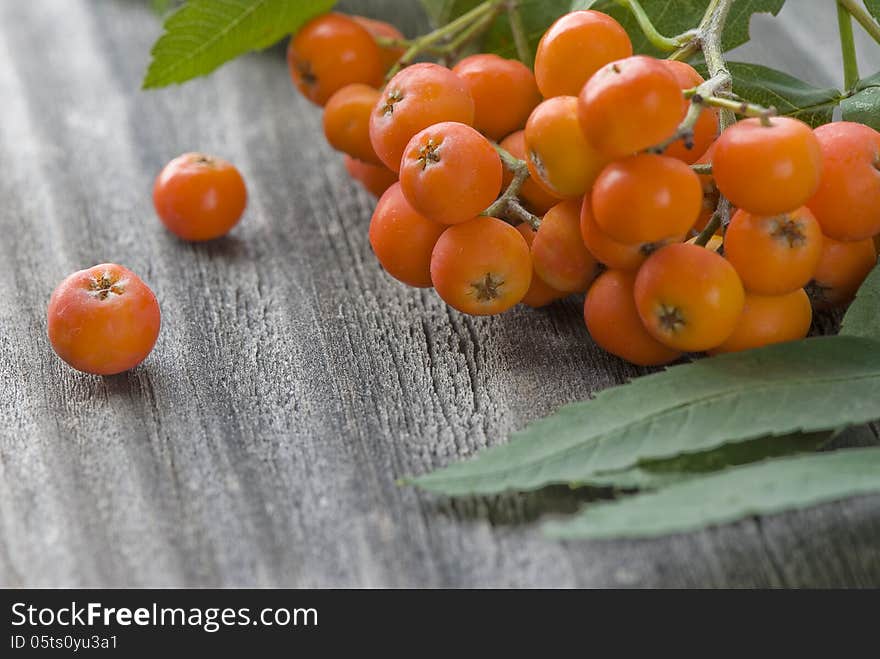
<point x="203" y="34"/>
<point x="537" y="16"/>
<point x="864" y="105"/>
<point x="874" y="8"/>
<point x="673" y="17"/>
<point x="818" y="384"/>
<point x="790" y="96"/>
<point x="763" y="488"/>
<point x="863" y="317"/>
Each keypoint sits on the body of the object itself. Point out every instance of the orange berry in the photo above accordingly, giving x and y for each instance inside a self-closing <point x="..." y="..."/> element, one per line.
<point x="347" y="121"/>
<point x="646" y="198"/>
<point x="613" y="321"/>
<point x="540" y="293"/>
<point x="481" y="266"/>
<point x="706" y="128"/>
<point x="450" y="173"/>
<point x="330" y="52"/>
<point x="574" y="48"/>
<point x="403" y="239"/>
<point x="103" y="320"/>
<point x="847" y="203"/>
<point x="418" y="97"/>
<point x="774" y="254"/>
<point x="841" y="270"/>
<point x="769" y="319"/>
<point x="504" y="93"/>
<point x="390" y="54"/>
<point x="375" y="179"/>
<point x="558" y="252"/>
<point x="630" y="105"/>
<point x="535" y="197"/>
<point x="767" y="169"/>
<point x="559" y="157"/>
<point x="689" y="298"/>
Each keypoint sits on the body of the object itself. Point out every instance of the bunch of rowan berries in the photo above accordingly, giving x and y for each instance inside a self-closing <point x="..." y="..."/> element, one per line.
<point x="600" y="209"/>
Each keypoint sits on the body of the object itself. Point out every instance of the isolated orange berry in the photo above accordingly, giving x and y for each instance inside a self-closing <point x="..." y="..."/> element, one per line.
<point x="540" y="293"/>
<point x="347" y="121"/>
<point x="576" y="46"/>
<point x="390" y="54"/>
<point x="689" y="298"/>
<point x="504" y="93"/>
<point x="533" y="195"/>
<point x="418" y="97"/>
<point x="774" y="254"/>
<point x="767" y="169"/>
<point x="376" y="179"/>
<point x="199" y="197"/>
<point x="103" y="320"/>
<point x="706" y="128"/>
<point x="403" y="239"/>
<point x="646" y="198"/>
<point x="558" y="252"/>
<point x="482" y="266"/>
<point x="841" y="270"/>
<point x="610" y="252"/>
<point x="450" y="173"/>
<point x="330" y="52"/>
<point x="614" y="323"/>
<point x="559" y="157"/>
<point x="766" y="320"/>
<point x="630" y="105"/>
<point x="847" y="203"/>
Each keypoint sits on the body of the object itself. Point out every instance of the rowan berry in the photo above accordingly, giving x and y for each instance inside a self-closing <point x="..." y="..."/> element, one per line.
<point x="576" y="46"/>
<point x="630" y="105"/>
<point x="847" y="203"/>
<point x="767" y="166"/>
<point x="481" y="266"/>
<point x="347" y="121"/>
<point x="103" y="320"/>
<point x="646" y="198"/>
<point x="418" y="97"/>
<point x="706" y="128"/>
<point x="450" y="173"/>
<point x="381" y="29"/>
<point x="559" y="157"/>
<point x="689" y="297"/>
<point x="199" y="197"/>
<point x="614" y="323"/>
<point x="533" y="195"/>
<point x="774" y="254"/>
<point x="403" y="239"/>
<point x="610" y="252"/>
<point x="504" y="93"/>
<point x="540" y="293"/>
<point x="330" y="52"/>
<point x="375" y="179"/>
<point x="766" y="320"/>
<point x="558" y="252"/>
<point x="841" y="270"/>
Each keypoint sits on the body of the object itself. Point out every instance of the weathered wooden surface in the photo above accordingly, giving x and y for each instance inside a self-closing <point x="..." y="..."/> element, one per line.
<point x="293" y="381"/>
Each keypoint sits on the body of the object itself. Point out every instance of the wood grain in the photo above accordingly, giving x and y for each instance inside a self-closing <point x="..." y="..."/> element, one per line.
<point x="293" y="381"/>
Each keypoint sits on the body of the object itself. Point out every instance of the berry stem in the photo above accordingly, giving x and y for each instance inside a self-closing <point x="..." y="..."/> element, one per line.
<point x="507" y="206"/>
<point x="703" y="169"/>
<point x="858" y="12"/>
<point x="658" y="40"/>
<point x="742" y="108"/>
<point x="519" y="33"/>
<point x="847" y="47"/>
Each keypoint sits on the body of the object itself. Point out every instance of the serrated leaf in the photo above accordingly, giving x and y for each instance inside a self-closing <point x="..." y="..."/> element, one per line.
<point x="808" y="386"/>
<point x="674" y="17"/>
<point x="537" y="16"/>
<point x="764" y="488"/>
<point x="874" y="8"/>
<point x="863" y="317"/>
<point x="790" y="96"/>
<point x="203" y="34"/>
<point x="864" y="105"/>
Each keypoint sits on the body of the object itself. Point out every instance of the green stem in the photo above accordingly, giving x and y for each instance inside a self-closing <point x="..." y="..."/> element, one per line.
<point x="742" y="108"/>
<point x="847" y="47"/>
<point x="519" y="33"/>
<point x="660" y="41"/>
<point x="471" y="33"/>
<point x="858" y="12"/>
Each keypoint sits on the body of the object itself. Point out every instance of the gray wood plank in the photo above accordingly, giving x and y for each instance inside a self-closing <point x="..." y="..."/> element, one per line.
<point x="293" y="381"/>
